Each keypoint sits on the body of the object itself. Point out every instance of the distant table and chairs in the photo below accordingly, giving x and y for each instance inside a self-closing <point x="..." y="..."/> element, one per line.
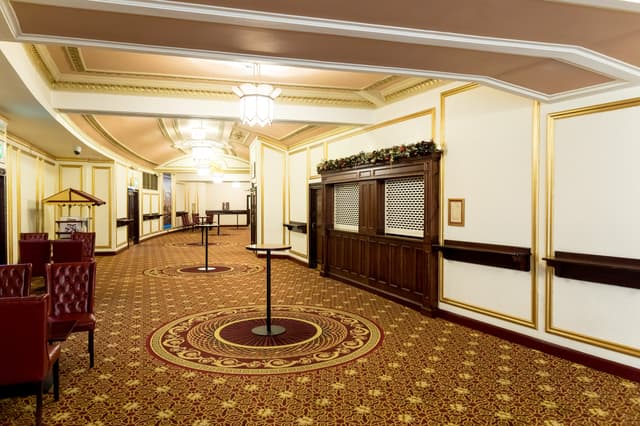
<point x="237" y="213"/>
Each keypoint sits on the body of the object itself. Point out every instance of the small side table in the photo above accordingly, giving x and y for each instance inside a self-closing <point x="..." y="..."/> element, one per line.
<point x="268" y="329"/>
<point x="205" y="234"/>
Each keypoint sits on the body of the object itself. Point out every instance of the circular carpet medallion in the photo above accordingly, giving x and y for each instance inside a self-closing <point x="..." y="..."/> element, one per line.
<point x="221" y="341"/>
<point x="215" y="268"/>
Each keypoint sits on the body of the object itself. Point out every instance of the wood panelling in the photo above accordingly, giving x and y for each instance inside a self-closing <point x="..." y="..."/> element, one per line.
<point x="392" y="265"/>
<point x="402" y="268"/>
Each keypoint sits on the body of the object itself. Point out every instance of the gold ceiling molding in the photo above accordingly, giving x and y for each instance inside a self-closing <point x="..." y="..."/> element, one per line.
<point x="382" y="82"/>
<point x="129" y="89"/>
<point x="413" y="90"/>
<point x="39" y="63"/>
<point x="75" y="58"/>
<point x="91" y="120"/>
<point x="163" y="129"/>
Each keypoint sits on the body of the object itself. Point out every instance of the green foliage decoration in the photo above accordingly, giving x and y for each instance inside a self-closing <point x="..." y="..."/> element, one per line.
<point x="382" y="156"/>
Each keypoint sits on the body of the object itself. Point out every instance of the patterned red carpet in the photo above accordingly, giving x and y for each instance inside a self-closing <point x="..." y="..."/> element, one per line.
<point x="172" y="348"/>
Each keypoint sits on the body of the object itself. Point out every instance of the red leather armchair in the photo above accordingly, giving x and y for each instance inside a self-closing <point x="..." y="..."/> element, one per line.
<point x="66" y="251"/>
<point x="15" y="280"/>
<point x="88" y="244"/>
<point x="71" y="286"/>
<point x="29" y="357"/>
<point x="37" y="253"/>
<point x="34" y="236"/>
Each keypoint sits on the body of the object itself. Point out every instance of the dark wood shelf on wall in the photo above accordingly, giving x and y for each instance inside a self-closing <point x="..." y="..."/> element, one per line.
<point x="296" y="226"/>
<point x="151" y="216"/>
<point x="510" y="257"/>
<point x="620" y="271"/>
<point x="123" y="221"/>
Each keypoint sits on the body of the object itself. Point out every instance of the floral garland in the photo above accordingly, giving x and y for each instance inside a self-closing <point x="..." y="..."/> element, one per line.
<point x="385" y="155"/>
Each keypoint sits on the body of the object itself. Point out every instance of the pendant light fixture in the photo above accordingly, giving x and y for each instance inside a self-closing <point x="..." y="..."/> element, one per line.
<point x="256" y="101"/>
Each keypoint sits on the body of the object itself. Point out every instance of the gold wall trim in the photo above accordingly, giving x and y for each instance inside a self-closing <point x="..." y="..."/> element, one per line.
<point x="95" y="124"/>
<point x="549" y="327"/>
<point x="489" y="312"/>
<point x="18" y="193"/>
<point x="109" y="205"/>
<point x="261" y="189"/>
<point x="535" y="189"/>
<point x="11" y="213"/>
<point x="535" y="142"/>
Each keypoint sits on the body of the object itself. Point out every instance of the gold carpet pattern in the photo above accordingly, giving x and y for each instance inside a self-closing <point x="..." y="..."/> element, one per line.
<point x="222" y="341"/>
<point x="424" y="372"/>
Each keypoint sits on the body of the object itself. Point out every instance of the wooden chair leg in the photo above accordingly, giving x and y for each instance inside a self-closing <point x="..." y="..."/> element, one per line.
<point x="56" y="380"/>
<point x="91" y="349"/>
<point x="39" y="404"/>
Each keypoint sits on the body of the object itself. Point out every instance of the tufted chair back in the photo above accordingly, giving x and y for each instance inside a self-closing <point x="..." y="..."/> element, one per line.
<point x="72" y="286"/>
<point x="37" y="253"/>
<point x="34" y="236"/>
<point x="15" y="280"/>
<point x="29" y="357"/>
<point x="88" y="244"/>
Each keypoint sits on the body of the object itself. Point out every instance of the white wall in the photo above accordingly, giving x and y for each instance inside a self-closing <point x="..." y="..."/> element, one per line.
<point x="488" y="164"/>
<point x="593" y="201"/>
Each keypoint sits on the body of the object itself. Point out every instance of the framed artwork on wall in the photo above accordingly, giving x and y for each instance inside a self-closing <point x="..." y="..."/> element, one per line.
<point x="456" y="211"/>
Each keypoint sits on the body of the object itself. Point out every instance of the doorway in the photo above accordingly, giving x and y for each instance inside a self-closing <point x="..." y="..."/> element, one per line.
<point x="133" y="212"/>
<point x="316" y="226"/>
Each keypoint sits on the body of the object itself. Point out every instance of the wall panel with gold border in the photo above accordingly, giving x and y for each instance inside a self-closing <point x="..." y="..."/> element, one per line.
<point x="271" y="194"/>
<point x="593" y="206"/>
<point x="298" y="199"/>
<point x="102" y="223"/>
<point x="491" y="142"/>
<point x="29" y="179"/>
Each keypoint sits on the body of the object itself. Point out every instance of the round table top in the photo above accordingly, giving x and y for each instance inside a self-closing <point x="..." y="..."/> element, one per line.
<point x="206" y="225"/>
<point x="269" y="247"/>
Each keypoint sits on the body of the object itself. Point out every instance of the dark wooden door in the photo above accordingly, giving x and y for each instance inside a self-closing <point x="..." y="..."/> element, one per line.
<point x="316" y="226"/>
<point x="133" y="212"/>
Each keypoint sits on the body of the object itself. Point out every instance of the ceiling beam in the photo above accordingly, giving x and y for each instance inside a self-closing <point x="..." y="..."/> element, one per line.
<point x="165" y="106"/>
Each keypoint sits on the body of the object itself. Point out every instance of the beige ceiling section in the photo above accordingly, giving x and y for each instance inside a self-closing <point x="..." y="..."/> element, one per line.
<point x="207" y="36"/>
<point x="91" y="68"/>
<point x="538" y="20"/>
<point x="102" y="136"/>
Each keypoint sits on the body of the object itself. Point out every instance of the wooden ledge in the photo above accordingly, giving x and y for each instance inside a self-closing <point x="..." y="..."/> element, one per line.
<point x="509" y="257"/>
<point x="620" y="271"/>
